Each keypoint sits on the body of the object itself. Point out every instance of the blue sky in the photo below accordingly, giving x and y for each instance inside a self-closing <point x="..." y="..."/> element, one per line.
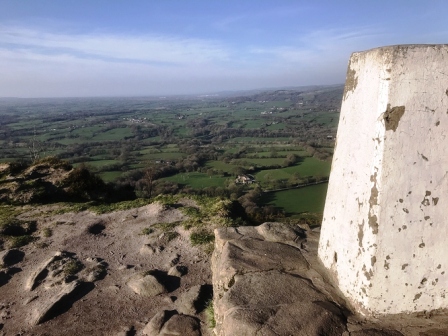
<point x="162" y="47"/>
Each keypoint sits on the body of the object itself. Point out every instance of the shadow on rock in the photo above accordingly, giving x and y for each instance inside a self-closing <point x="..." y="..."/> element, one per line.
<point x="169" y="322"/>
<point x="65" y="302"/>
<point x="6" y="275"/>
<point x="4" y="278"/>
<point x="205" y="295"/>
<point x="170" y="282"/>
<point x="12" y="257"/>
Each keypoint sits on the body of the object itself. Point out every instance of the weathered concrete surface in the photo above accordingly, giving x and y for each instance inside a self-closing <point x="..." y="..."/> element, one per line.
<point x="384" y="228"/>
<point x="265" y="286"/>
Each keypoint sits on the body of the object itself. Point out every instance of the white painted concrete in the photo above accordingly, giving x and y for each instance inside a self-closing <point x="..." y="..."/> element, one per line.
<point x="384" y="235"/>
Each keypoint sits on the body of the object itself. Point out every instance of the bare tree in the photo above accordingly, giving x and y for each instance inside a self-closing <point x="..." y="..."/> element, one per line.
<point x="35" y="147"/>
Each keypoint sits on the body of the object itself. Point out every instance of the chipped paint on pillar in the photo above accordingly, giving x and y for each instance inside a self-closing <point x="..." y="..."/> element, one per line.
<point x="384" y="228"/>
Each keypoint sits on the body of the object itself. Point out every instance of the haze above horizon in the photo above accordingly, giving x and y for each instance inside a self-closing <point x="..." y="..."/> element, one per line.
<point x="139" y="48"/>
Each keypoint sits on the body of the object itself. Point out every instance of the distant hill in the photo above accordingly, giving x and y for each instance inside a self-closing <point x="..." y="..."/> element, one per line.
<point x="328" y="96"/>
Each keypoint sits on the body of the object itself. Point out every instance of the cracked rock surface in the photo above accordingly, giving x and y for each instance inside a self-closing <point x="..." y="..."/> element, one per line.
<point x="267" y="280"/>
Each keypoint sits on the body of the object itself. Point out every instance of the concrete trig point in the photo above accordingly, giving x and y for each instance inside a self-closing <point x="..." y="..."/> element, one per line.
<point x="384" y="234"/>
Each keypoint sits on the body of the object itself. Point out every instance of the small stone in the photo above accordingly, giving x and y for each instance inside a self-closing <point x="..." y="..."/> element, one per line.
<point x="175" y="260"/>
<point x="181" y="325"/>
<point x="279" y="232"/>
<point x="178" y="270"/>
<point x="147" y="286"/>
<point x="188" y="301"/>
<point x="154" y="326"/>
<point x="149" y="249"/>
<point x="126" y="331"/>
<point x="95" y="274"/>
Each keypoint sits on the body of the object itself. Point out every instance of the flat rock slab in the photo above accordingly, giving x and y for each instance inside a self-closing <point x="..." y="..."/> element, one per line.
<point x="45" y="311"/>
<point x="264" y="285"/>
<point x="267" y="280"/>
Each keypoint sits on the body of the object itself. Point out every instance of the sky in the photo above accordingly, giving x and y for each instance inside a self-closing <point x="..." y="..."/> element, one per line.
<point x="80" y="48"/>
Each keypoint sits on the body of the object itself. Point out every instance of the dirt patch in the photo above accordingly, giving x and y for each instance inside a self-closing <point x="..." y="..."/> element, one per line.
<point x="103" y="304"/>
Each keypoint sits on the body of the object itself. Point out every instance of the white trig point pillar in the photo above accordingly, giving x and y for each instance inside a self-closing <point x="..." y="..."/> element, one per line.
<point x="384" y="235"/>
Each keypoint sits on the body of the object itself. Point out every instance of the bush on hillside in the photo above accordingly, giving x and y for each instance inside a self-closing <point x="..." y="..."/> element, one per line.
<point x="81" y="184"/>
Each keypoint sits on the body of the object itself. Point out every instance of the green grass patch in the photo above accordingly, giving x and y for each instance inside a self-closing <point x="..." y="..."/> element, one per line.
<point x="171" y="235"/>
<point x="254" y="140"/>
<point x="162" y="156"/>
<point x="87" y="132"/>
<point x="198" y="180"/>
<point x="47" y="232"/>
<point x="201" y="237"/>
<point x="166" y="227"/>
<point x="309" y="167"/>
<point x="147" y="231"/>
<point x="113" y="134"/>
<point x="110" y="176"/>
<point x="7" y="212"/>
<point x="19" y="241"/>
<point x="219" y="165"/>
<point x="265" y="161"/>
<point x="72" y="267"/>
<point x="119" y="206"/>
<point x="100" y="208"/>
<point x="102" y="163"/>
<point x="297" y="201"/>
<point x="210" y="314"/>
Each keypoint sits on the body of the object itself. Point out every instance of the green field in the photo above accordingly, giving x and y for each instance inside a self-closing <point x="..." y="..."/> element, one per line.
<point x="198" y="180"/>
<point x="219" y="165"/>
<point x="162" y="156"/>
<point x="113" y="134"/>
<point x="309" y="167"/>
<point x="110" y="176"/>
<point x="296" y="201"/>
<point x="101" y="163"/>
<point x="195" y="142"/>
<point x="266" y="161"/>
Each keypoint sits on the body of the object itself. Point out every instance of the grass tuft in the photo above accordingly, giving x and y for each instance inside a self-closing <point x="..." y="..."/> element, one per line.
<point x="73" y="267"/>
<point x="147" y="231"/>
<point x="210" y="314"/>
<point x="47" y="232"/>
<point x="201" y="237"/>
<point x="19" y="241"/>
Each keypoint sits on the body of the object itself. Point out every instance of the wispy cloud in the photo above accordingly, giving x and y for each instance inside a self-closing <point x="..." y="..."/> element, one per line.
<point x="320" y="46"/>
<point x="36" y="62"/>
<point x="141" y="48"/>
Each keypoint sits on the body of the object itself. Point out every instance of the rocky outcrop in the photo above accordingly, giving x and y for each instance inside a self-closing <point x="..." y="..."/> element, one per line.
<point x="45" y="311"/>
<point x="61" y="280"/>
<point x="167" y="323"/>
<point x="264" y="284"/>
<point x="267" y="280"/>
